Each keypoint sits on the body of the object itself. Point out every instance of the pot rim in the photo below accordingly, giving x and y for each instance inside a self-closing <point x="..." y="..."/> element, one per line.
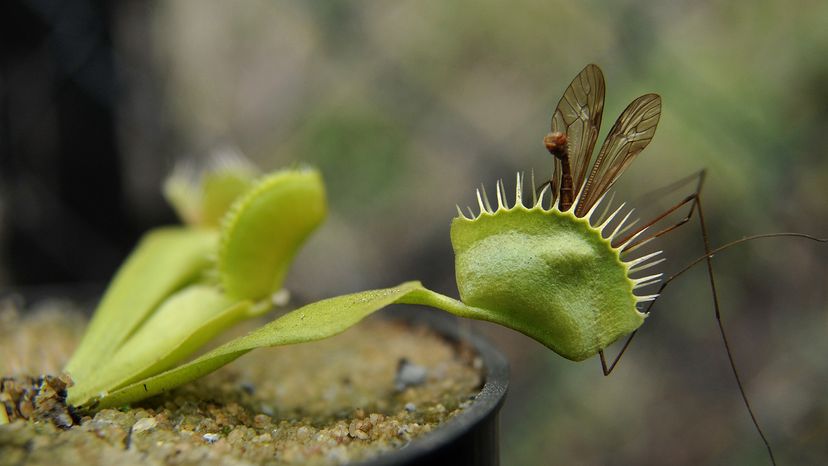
<point x="486" y="403"/>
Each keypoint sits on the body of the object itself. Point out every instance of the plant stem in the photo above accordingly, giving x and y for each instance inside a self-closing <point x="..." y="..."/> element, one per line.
<point x="425" y="297"/>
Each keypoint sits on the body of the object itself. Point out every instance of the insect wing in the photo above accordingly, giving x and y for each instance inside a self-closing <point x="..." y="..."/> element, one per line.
<point x="631" y="133"/>
<point x="578" y="115"/>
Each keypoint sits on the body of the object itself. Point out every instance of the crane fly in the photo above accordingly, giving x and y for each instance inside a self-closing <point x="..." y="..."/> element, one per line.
<point x="579" y="186"/>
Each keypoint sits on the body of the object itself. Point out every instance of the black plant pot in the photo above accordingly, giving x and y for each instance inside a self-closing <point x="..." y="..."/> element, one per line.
<point x="472" y="437"/>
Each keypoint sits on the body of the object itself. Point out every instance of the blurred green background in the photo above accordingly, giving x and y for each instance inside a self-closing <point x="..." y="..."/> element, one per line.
<point x="407" y="106"/>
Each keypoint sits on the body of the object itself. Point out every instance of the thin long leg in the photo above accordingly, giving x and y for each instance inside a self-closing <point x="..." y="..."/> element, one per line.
<point x="608" y="370"/>
<point x="692" y="199"/>
<point x="711" y="276"/>
<point x="540" y="187"/>
<point x="708" y="258"/>
<point x="666" y="189"/>
<point x="694" y="262"/>
<point x="696" y="206"/>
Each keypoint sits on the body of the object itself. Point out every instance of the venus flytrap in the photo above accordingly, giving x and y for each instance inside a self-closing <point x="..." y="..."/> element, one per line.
<point x="202" y="197"/>
<point x="548" y="273"/>
<point x="182" y="323"/>
<point x="263" y="231"/>
<point x="182" y="286"/>
<point x="574" y="296"/>
<point x="547" y="270"/>
<point x="164" y="261"/>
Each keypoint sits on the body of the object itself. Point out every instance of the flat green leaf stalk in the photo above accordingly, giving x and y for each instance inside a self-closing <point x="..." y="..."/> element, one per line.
<point x="165" y="260"/>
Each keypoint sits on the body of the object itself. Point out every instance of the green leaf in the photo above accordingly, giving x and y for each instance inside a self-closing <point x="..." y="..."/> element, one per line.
<point x="220" y="189"/>
<point x="181" y="325"/>
<point x="315" y="321"/>
<point x="547" y="274"/>
<point x="182" y="193"/>
<point x="201" y="197"/>
<point x="265" y="228"/>
<point x="164" y="261"/>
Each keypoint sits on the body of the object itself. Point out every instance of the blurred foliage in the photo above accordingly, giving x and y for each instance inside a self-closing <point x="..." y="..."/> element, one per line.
<point x="407" y="106"/>
<point x="340" y="140"/>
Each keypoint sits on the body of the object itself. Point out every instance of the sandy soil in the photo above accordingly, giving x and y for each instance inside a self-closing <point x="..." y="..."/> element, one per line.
<point x="372" y="389"/>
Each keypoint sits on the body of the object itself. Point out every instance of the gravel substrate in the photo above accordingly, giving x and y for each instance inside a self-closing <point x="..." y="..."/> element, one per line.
<point x="372" y="389"/>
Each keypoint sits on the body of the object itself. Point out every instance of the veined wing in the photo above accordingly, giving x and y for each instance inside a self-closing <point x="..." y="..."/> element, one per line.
<point x="631" y="133"/>
<point x="578" y="115"/>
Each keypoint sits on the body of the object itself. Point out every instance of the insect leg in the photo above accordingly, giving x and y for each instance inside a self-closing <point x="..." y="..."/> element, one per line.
<point x="608" y="369"/>
<point x="710" y="275"/>
<point x="692" y="199"/>
<point x="696" y="205"/>
<point x="629" y="243"/>
<point x="543" y="185"/>
<point x="708" y="256"/>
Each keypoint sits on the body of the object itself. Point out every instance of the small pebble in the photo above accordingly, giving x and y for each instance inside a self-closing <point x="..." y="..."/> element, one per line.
<point x="261" y="420"/>
<point x="410" y="407"/>
<point x="144" y="424"/>
<point x="303" y="433"/>
<point x="210" y="438"/>
<point x="409" y="375"/>
<point x="338" y="455"/>
<point x="267" y="409"/>
<point x="248" y="388"/>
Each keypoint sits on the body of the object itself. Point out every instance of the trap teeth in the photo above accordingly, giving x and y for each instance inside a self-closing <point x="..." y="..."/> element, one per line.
<point x="620" y="224"/>
<point x="611" y="216"/>
<point x="460" y="212"/>
<point x="646" y="298"/>
<point x="647" y="281"/>
<point x="592" y="209"/>
<point x="480" y="203"/>
<point x="539" y="204"/>
<point x="634" y="262"/>
<point x="503" y="202"/>
<point x="645" y="266"/>
<point x="557" y="204"/>
<point x="486" y="199"/>
<point x="519" y="191"/>
<point x="623" y="247"/>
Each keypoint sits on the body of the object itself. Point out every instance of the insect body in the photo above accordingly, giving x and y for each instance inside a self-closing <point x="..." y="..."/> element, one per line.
<point x="560" y="272"/>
